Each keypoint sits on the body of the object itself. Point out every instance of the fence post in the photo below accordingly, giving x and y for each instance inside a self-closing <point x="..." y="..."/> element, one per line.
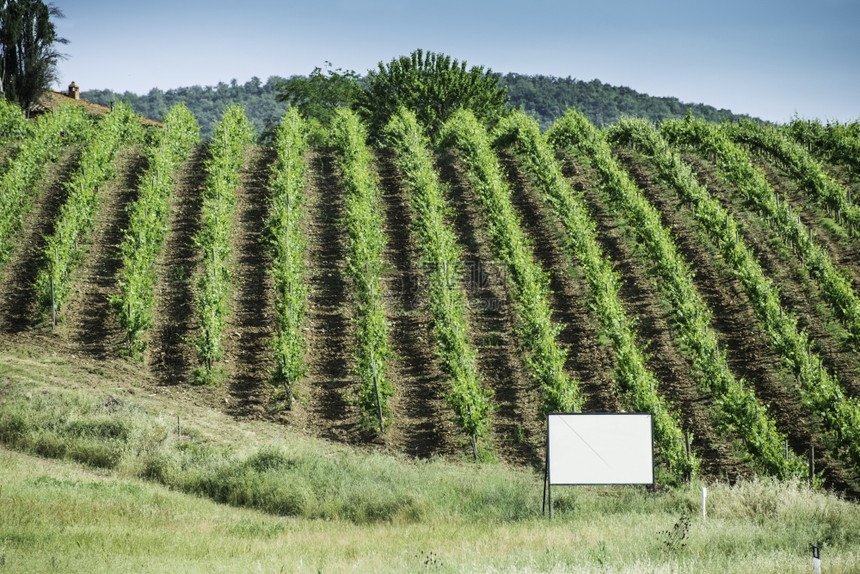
<point x="376" y="390"/>
<point x="687" y="445"/>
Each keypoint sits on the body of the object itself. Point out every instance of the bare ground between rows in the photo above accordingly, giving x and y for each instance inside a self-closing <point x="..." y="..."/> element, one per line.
<point x="323" y="406"/>
<point x="844" y="254"/>
<point x="518" y="436"/>
<point x="849" y="180"/>
<point x="88" y="318"/>
<point x="7" y="152"/>
<point x="251" y="324"/>
<point x="802" y="427"/>
<point x="672" y="369"/>
<point x="422" y="420"/>
<point x="171" y="356"/>
<point x="844" y="250"/>
<point x="841" y="172"/>
<point x="19" y="309"/>
<point x="590" y="362"/>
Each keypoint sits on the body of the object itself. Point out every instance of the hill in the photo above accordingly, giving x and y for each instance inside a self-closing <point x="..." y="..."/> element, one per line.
<point x="545" y="97"/>
<point x="706" y="274"/>
<point x="424" y="426"/>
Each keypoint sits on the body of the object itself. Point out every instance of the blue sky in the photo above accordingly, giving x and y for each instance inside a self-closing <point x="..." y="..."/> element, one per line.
<point x="770" y="59"/>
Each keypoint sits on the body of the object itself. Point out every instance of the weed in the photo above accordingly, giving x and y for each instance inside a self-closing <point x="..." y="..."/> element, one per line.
<point x="600" y="555"/>
<point x="429" y="559"/>
<point x="675" y="539"/>
<point x="518" y="435"/>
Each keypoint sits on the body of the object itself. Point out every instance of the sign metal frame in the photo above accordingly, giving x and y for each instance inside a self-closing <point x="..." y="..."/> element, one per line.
<point x="608" y="439"/>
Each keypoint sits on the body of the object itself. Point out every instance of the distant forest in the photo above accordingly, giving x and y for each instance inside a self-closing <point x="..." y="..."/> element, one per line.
<point x="544" y="97"/>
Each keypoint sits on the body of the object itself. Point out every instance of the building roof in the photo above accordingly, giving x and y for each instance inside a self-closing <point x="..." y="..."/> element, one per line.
<point x="51" y="99"/>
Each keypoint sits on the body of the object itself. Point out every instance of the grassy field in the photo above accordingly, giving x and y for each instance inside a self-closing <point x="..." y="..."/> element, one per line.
<point x="117" y="489"/>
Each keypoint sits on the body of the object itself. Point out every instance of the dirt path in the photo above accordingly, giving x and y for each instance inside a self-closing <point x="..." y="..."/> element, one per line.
<point x="517" y="433"/>
<point x="251" y="324"/>
<point x="322" y="405"/>
<point x="171" y="355"/>
<point x="422" y="421"/>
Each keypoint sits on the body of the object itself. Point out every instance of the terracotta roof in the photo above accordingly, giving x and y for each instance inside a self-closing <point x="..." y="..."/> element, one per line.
<point x="51" y="99"/>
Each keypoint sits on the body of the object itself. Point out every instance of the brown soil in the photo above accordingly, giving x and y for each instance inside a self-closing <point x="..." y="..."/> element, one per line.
<point x="748" y="354"/>
<point x="798" y="292"/>
<point x="323" y="405"/>
<point x="171" y="355"/>
<point x="844" y="252"/>
<point x="588" y="360"/>
<point x="7" y="151"/>
<point x="422" y="422"/>
<point x="251" y="324"/>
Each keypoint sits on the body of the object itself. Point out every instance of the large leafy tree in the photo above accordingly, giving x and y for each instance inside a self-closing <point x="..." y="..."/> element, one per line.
<point x="28" y="53"/>
<point x="433" y="86"/>
<point x="321" y="93"/>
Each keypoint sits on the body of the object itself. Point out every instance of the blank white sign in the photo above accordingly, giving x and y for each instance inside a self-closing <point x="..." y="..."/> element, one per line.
<point x="600" y="449"/>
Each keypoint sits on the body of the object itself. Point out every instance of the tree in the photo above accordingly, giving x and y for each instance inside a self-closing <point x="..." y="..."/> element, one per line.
<point x="321" y="93"/>
<point x="28" y="57"/>
<point x="433" y="86"/>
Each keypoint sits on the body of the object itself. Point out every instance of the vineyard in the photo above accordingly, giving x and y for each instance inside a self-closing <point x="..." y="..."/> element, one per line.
<point x="436" y="295"/>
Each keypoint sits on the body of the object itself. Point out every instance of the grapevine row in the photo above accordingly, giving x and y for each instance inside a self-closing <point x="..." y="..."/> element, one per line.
<point x="442" y="259"/>
<point x="804" y="168"/>
<point x="39" y="145"/>
<point x="835" y="142"/>
<point x="76" y="217"/>
<point x="819" y="391"/>
<point x="366" y="241"/>
<point x="287" y="244"/>
<point x="738" y="408"/>
<point x="734" y="163"/>
<point x="636" y="383"/>
<point x="529" y="283"/>
<point x="144" y="237"/>
<point x="226" y="156"/>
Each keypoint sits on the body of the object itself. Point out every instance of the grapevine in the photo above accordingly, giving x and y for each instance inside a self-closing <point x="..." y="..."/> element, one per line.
<point x="96" y="167"/>
<point x="287" y="245"/>
<point x="232" y="135"/>
<point x="529" y="283"/>
<point x="442" y="257"/>
<point x="364" y="224"/>
<point x="144" y="237"/>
